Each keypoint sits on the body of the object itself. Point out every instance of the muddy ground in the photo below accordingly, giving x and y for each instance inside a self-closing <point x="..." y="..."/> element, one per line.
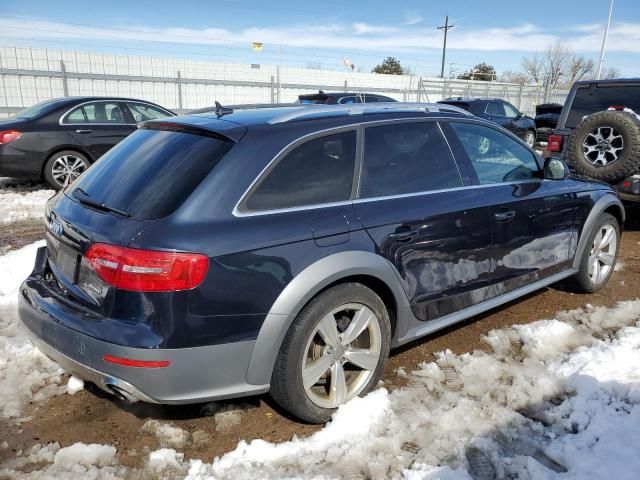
<point x="93" y="417"/>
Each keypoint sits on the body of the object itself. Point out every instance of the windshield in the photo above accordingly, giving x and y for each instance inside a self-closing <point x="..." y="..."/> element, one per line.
<point x="38" y="109"/>
<point x="150" y="173"/>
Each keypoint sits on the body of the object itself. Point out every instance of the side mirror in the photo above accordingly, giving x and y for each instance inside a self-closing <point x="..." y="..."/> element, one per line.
<point x="555" y="169"/>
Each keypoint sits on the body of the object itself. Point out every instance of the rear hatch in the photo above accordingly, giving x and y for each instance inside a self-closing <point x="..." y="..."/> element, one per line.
<point x="140" y="181"/>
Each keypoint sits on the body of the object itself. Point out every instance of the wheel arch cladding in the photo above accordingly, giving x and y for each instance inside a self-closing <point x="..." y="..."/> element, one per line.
<point x="368" y="268"/>
<point x="608" y="203"/>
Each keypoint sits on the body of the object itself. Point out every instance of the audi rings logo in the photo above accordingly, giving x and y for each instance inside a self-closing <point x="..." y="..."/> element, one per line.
<point x="55" y="226"/>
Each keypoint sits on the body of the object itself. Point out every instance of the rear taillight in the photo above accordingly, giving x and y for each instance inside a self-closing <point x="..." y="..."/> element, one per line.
<point x="554" y="143"/>
<point x="147" y="270"/>
<point x="9" y="136"/>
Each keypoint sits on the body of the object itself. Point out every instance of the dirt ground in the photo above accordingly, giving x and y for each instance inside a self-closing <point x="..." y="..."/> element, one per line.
<point x="94" y="417"/>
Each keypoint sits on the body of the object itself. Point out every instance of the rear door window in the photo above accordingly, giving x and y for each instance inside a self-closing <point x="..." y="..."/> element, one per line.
<point x="150" y="173"/>
<point x="319" y="171"/>
<point x="406" y="158"/>
<point x="96" y="113"/>
<point x="495" y="108"/>
<point x="495" y="157"/>
<point x="589" y="100"/>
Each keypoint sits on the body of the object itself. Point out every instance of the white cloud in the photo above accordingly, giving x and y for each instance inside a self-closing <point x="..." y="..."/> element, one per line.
<point x="412" y="19"/>
<point x="360" y="28"/>
<point x="624" y="37"/>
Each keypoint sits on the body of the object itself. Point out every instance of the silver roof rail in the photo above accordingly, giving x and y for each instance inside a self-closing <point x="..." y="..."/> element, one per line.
<point x="362" y="108"/>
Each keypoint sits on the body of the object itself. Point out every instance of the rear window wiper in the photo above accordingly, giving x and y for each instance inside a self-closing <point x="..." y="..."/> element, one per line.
<point x="83" y="197"/>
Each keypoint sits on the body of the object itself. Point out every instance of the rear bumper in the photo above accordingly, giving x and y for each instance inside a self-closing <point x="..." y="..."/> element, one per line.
<point x="15" y="163"/>
<point x="198" y="374"/>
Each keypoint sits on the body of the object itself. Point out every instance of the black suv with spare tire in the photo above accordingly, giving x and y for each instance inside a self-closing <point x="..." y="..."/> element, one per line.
<point x="598" y="133"/>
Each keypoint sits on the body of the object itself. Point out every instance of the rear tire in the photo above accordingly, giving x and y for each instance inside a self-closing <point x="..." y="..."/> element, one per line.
<point x="64" y="167"/>
<point x="599" y="257"/>
<point x="334" y="350"/>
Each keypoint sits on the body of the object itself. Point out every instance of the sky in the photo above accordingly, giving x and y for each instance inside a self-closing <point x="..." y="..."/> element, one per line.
<point x="321" y="34"/>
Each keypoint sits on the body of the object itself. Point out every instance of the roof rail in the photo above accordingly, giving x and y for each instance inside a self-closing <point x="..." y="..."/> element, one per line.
<point x="362" y="108"/>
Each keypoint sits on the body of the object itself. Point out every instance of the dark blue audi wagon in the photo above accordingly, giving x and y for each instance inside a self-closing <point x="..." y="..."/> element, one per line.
<point x="289" y="249"/>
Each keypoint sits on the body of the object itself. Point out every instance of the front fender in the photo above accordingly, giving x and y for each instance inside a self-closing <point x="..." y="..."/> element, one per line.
<point x="302" y="289"/>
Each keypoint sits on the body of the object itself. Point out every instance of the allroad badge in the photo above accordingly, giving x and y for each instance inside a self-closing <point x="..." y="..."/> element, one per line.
<point x="55" y="226"/>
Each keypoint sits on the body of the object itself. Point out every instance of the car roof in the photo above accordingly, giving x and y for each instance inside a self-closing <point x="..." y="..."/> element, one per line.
<point x="468" y="99"/>
<point x="343" y="114"/>
<point x="611" y="81"/>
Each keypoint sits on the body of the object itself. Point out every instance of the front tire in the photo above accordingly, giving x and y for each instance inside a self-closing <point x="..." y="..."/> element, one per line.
<point x="63" y="168"/>
<point x="599" y="257"/>
<point x="334" y="351"/>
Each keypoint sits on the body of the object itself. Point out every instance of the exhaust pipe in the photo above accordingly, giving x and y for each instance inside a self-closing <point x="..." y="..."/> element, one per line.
<point x="121" y="393"/>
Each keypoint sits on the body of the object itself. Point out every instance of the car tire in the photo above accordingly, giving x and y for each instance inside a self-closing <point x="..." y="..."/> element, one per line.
<point x="313" y="373"/>
<point x="529" y="138"/>
<point x="64" y="167"/>
<point x="615" y="156"/>
<point x="598" y="251"/>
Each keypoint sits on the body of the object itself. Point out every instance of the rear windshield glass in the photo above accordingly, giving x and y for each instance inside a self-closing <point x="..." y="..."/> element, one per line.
<point x="38" y="109"/>
<point x="150" y="173"/>
<point x="591" y="100"/>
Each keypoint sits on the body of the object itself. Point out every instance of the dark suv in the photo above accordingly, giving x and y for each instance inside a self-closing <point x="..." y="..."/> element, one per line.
<point x="598" y="133"/>
<point x="288" y="249"/>
<point x="500" y="112"/>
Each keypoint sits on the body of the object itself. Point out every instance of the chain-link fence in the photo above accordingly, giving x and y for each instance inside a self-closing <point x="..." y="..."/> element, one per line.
<point x="30" y="75"/>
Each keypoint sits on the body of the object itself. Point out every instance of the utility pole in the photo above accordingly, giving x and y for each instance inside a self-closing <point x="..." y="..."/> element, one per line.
<point x="604" y="41"/>
<point x="446" y="27"/>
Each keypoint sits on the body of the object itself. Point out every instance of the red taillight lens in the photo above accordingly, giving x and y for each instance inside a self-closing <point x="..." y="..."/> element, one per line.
<point x="9" y="136"/>
<point x="554" y="143"/>
<point x="128" y="362"/>
<point x="147" y="270"/>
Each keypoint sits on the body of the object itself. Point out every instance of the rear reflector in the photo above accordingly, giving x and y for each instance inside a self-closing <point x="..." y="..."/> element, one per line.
<point x="147" y="270"/>
<point x="9" y="136"/>
<point x="554" y="143"/>
<point x="127" y="362"/>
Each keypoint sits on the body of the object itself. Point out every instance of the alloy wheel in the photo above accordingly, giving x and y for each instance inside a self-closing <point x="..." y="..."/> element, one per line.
<point x="603" y="253"/>
<point x="530" y="139"/>
<point x="602" y="146"/>
<point x="341" y="355"/>
<point x="67" y="168"/>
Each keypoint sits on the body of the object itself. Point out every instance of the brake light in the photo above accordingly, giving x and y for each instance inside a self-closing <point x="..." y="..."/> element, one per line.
<point x="128" y="362"/>
<point x="554" y="143"/>
<point x="9" y="136"/>
<point x="147" y="270"/>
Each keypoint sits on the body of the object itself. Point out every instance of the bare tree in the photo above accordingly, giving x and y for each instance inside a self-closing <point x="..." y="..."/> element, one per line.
<point x="578" y="67"/>
<point x="510" y="76"/>
<point x="556" y="58"/>
<point x="610" y="72"/>
<point x="534" y="67"/>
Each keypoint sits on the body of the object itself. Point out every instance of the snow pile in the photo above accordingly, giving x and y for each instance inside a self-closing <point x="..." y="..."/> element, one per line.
<point x="25" y="373"/>
<point x="74" y="385"/>
<point x="166" y="435"/>
<point x="16" y="206"/>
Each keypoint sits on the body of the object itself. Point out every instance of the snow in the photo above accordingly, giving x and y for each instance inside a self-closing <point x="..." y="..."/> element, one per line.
<point x="166" y="435"/>
<point x="25" y="373"/>
<point x="74" y="385"/>
<point x="16" y="206"/>
<point x="554" y="399"/>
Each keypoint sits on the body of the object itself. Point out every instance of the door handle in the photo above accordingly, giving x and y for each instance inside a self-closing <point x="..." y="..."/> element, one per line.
<point x="83" y="131"/>
<point x="402" y="235"/>
<point x="504" y="216"/>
